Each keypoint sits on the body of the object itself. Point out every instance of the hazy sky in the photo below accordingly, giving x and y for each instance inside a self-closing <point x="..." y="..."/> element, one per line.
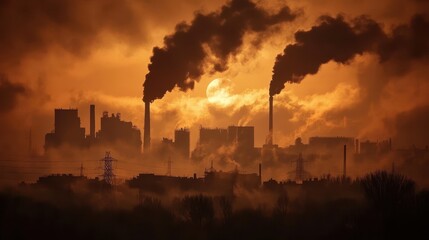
<point x="61" y="54"/>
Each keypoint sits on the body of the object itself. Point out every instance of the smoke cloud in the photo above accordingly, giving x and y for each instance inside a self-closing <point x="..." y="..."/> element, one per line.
<point x="334" y="39"/>
<point x="185" y="55"/>
<point x="410" y="127"/>
<point x="408" y="41"/>
<point x="28" y="27"/>
<point x="9" y="93"/>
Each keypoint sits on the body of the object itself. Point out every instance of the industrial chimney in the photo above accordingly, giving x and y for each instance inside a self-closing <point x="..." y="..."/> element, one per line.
<point x="146" y="140"/>
<point x="270" y="122"/>
<point x="92" y="121"/>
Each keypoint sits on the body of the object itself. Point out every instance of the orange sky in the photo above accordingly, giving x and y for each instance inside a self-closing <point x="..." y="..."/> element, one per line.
<point x="93" y="54"/>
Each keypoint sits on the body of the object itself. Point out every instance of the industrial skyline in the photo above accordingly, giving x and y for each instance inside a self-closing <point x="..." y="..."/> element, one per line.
<point x="366" y="97"/>
<point x="214" y="119"/>
<point x="269" y="77"/>
<point x="230" y="148"/>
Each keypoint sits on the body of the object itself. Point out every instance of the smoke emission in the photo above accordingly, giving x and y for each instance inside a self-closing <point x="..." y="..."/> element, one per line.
<point x="335" y="39"/>
<point x="184" y="57"/>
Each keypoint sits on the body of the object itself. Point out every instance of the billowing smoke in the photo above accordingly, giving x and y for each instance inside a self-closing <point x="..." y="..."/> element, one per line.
<point x="335" y="39"/>
<point x="184" y="57"/>
<point x="408" y="41"/>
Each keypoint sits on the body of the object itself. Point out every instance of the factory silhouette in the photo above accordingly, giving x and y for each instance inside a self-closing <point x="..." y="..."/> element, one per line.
<point x="222" y="146"/>
<point x="68" y="131"/>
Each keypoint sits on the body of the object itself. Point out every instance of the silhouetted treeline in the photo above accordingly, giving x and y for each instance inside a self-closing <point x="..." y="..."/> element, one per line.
<point x="380" y="205"/>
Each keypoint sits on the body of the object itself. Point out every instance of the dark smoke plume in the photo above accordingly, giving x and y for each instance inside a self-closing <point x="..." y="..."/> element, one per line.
<point x="408" y="41"/>
<point x="183" y="58"/>
<point x="334" y="39"/>
<point x="9" y="93"/>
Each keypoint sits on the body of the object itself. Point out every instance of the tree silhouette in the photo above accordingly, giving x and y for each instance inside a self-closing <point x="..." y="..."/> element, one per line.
<point x="225" y="204"/>
<point x="198" y="209"/>
<point x="388" y="191"/>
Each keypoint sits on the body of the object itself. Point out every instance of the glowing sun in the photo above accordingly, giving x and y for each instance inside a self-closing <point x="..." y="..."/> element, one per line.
<point x="219" y="92"/>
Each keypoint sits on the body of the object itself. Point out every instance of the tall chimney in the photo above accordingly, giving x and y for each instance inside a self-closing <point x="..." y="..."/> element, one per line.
<point x="146" y="140"/>
<point x="345" y="160"/>
<point x="270" y="122"/>
<point x="260" y="173"/>
<point x="92" y="121"/>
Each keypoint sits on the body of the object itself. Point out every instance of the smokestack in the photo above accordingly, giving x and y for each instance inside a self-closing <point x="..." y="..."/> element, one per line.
<point x="270" y="122"/>
<point x="92" y="121"/>
<point x="345" y="160"/>
<point x="146" y="140"/>
<point x="260" y="173"/>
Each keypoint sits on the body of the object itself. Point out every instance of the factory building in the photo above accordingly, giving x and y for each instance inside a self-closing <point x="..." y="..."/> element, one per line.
<point x="213" y="137"/>
<point x="67" y="130"/>
<point x="182" y="142"/>
<point x="243" y="136"/>
<point x="239" y="141"/>
<point x="113" y="131"/>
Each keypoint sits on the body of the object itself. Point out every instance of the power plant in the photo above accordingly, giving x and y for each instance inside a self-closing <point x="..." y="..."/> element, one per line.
<point x="233" y="144"/>
<point x="113" y="132"/>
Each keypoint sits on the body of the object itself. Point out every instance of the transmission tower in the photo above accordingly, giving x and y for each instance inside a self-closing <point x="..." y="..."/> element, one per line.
<point x="108" y="174"/>
<point x="300" y="173"/>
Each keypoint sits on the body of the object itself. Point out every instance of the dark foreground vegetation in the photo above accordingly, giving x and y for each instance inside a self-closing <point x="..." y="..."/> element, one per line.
<point x="379" y="206"/>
